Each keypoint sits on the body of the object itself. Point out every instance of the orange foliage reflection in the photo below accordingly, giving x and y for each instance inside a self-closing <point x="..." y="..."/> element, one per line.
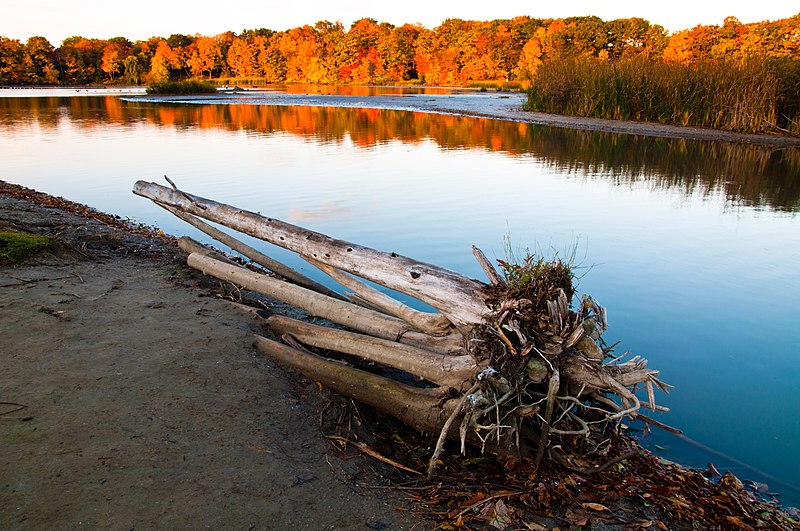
<point x="748" y="174"/>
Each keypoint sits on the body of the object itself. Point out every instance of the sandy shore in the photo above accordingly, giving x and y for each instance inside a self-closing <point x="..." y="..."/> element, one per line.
<point x="131" y="398"/>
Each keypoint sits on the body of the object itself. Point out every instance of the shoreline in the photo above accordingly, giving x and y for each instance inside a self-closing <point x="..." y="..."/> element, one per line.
<point x="506" y="106"/>
<point x="472" y="103"/>
<point x="170" y="380"/>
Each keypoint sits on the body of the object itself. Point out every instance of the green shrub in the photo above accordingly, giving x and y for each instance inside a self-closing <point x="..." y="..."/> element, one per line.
<point x="187" y="86"/>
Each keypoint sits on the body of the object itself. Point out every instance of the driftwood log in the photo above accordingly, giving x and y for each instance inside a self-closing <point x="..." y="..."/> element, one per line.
<point x="516" y="365"/>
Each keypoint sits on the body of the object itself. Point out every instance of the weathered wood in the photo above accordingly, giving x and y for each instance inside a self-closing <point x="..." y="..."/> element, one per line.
<point x="253" y="254"/>
<point x="501" y="361"/>
<point x="429" y="323"/>
<point x="422" y="409"/>
<point x="189" y="246"/>
<point x="461" y="299"/>
<point x="491" y="273"/>
<point x="340" y="312"/>
<point x="441" y="369"/>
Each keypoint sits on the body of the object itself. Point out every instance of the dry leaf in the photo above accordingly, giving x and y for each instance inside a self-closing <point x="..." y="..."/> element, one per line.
<point x="595" y="506"/>
<point x="737" y="522"/>
<point x="533" y="526"/>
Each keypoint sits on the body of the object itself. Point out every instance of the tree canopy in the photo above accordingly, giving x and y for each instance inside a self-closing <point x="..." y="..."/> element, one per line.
<point x="456" y="52"/>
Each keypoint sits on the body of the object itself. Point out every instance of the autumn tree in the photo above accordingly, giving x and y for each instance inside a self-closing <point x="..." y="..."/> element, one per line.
<point x="164" y="59"/>
<point x="114" y="55"/>
<point x="242" y="58"/>
<point x="398" y="52"/>
<point x="11" y="61"/>
<point x="79" y="60"/>
<point x="271" y="62"/>
<point x="298" y="46"/>
<point x="38" y="61"/>
<point x="359" y="57"/>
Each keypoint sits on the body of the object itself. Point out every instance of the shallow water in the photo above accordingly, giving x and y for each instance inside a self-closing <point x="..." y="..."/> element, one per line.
<point x="693" y="246"/>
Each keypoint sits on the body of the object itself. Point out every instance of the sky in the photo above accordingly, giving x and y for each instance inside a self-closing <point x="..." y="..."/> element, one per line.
<point x="59" y="19"/>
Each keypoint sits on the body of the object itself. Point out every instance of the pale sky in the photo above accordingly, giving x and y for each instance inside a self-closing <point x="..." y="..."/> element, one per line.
<point x="139" y="20"/>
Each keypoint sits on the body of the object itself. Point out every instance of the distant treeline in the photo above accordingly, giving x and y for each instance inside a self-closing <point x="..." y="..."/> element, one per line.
<point x="455" y="53"/>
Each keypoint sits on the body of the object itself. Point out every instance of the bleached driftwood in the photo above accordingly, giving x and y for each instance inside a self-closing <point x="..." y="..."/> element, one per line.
<point x="458" y="297"/>
<point x="504" y="361"/>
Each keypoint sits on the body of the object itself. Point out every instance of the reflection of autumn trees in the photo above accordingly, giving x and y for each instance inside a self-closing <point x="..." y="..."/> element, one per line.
<point x="455" y="52"/>
<point x="754" y="175"/>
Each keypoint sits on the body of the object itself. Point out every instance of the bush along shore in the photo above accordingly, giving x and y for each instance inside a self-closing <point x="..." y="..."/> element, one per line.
<point x="746" y="96"/>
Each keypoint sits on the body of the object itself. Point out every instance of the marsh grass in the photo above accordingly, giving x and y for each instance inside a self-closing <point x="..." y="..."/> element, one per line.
<point x="187" y="86"/>
<point x="537" y="275"/>
<point x="498" y="85"/>
<point x="753" y="96"/>
<point x="15" y="247"/>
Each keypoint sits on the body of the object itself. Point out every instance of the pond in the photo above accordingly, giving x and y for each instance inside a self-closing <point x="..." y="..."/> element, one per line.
<point x="693" y="246"/>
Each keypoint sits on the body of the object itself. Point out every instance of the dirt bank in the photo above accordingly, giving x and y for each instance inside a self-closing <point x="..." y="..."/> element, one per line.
<point x="132" y="398"/>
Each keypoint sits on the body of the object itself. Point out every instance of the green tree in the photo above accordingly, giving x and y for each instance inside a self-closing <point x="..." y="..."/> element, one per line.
<point x="133" y="70"/>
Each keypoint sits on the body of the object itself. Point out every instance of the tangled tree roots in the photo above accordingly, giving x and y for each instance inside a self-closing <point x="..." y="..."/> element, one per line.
<point x="512" y="366"/>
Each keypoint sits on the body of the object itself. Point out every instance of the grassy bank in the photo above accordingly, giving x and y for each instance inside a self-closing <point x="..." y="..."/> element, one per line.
<point x="755" y="96"/>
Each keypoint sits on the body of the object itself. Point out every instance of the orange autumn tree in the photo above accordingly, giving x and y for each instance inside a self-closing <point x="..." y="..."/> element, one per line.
<point x="205" y="57"/>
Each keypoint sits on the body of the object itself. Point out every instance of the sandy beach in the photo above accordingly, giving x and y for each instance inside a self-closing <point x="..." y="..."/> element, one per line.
<point x="131" y="397"/>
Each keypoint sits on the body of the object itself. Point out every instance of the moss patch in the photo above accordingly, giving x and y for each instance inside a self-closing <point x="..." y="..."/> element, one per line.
<point x="15" y="247"/>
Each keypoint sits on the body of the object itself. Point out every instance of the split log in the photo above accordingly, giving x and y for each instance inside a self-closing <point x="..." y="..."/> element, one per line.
<point x="422" y="408"/>
<point x="253" y="254"/>
<point x="340" y="312"/>
<point x="433" y="324"/>
<point x="441" y="369"/>
<point x="517" y="359"/>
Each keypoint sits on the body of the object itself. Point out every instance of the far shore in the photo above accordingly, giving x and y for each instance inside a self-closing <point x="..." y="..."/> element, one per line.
<point x="492" y="105"/>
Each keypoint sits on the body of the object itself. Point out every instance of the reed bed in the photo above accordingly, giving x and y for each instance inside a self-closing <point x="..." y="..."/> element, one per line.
<point x="184" y="87"/>
<point x="753" y="96"/>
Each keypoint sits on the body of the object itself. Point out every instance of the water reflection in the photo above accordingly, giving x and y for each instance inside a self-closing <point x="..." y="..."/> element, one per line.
<point x="757" y="176"/>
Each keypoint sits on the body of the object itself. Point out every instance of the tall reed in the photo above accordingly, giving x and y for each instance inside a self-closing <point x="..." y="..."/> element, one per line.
<point x="755" y="96"/>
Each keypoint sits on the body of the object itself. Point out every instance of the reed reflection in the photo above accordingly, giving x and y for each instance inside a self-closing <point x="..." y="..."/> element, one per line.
<point x="750" y="175"/>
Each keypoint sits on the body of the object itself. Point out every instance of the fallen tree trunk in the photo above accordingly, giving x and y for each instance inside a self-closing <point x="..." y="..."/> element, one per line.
<point x="456" y="296"/>
<point x="517" y="359"/>
<point x="340" y="312"/>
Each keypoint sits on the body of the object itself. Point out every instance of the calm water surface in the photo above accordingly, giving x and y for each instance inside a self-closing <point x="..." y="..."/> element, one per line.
<point x="694" y="247"/>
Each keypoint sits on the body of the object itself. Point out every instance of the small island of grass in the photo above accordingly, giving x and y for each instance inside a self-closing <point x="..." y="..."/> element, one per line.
<point x="187" y="86"/>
